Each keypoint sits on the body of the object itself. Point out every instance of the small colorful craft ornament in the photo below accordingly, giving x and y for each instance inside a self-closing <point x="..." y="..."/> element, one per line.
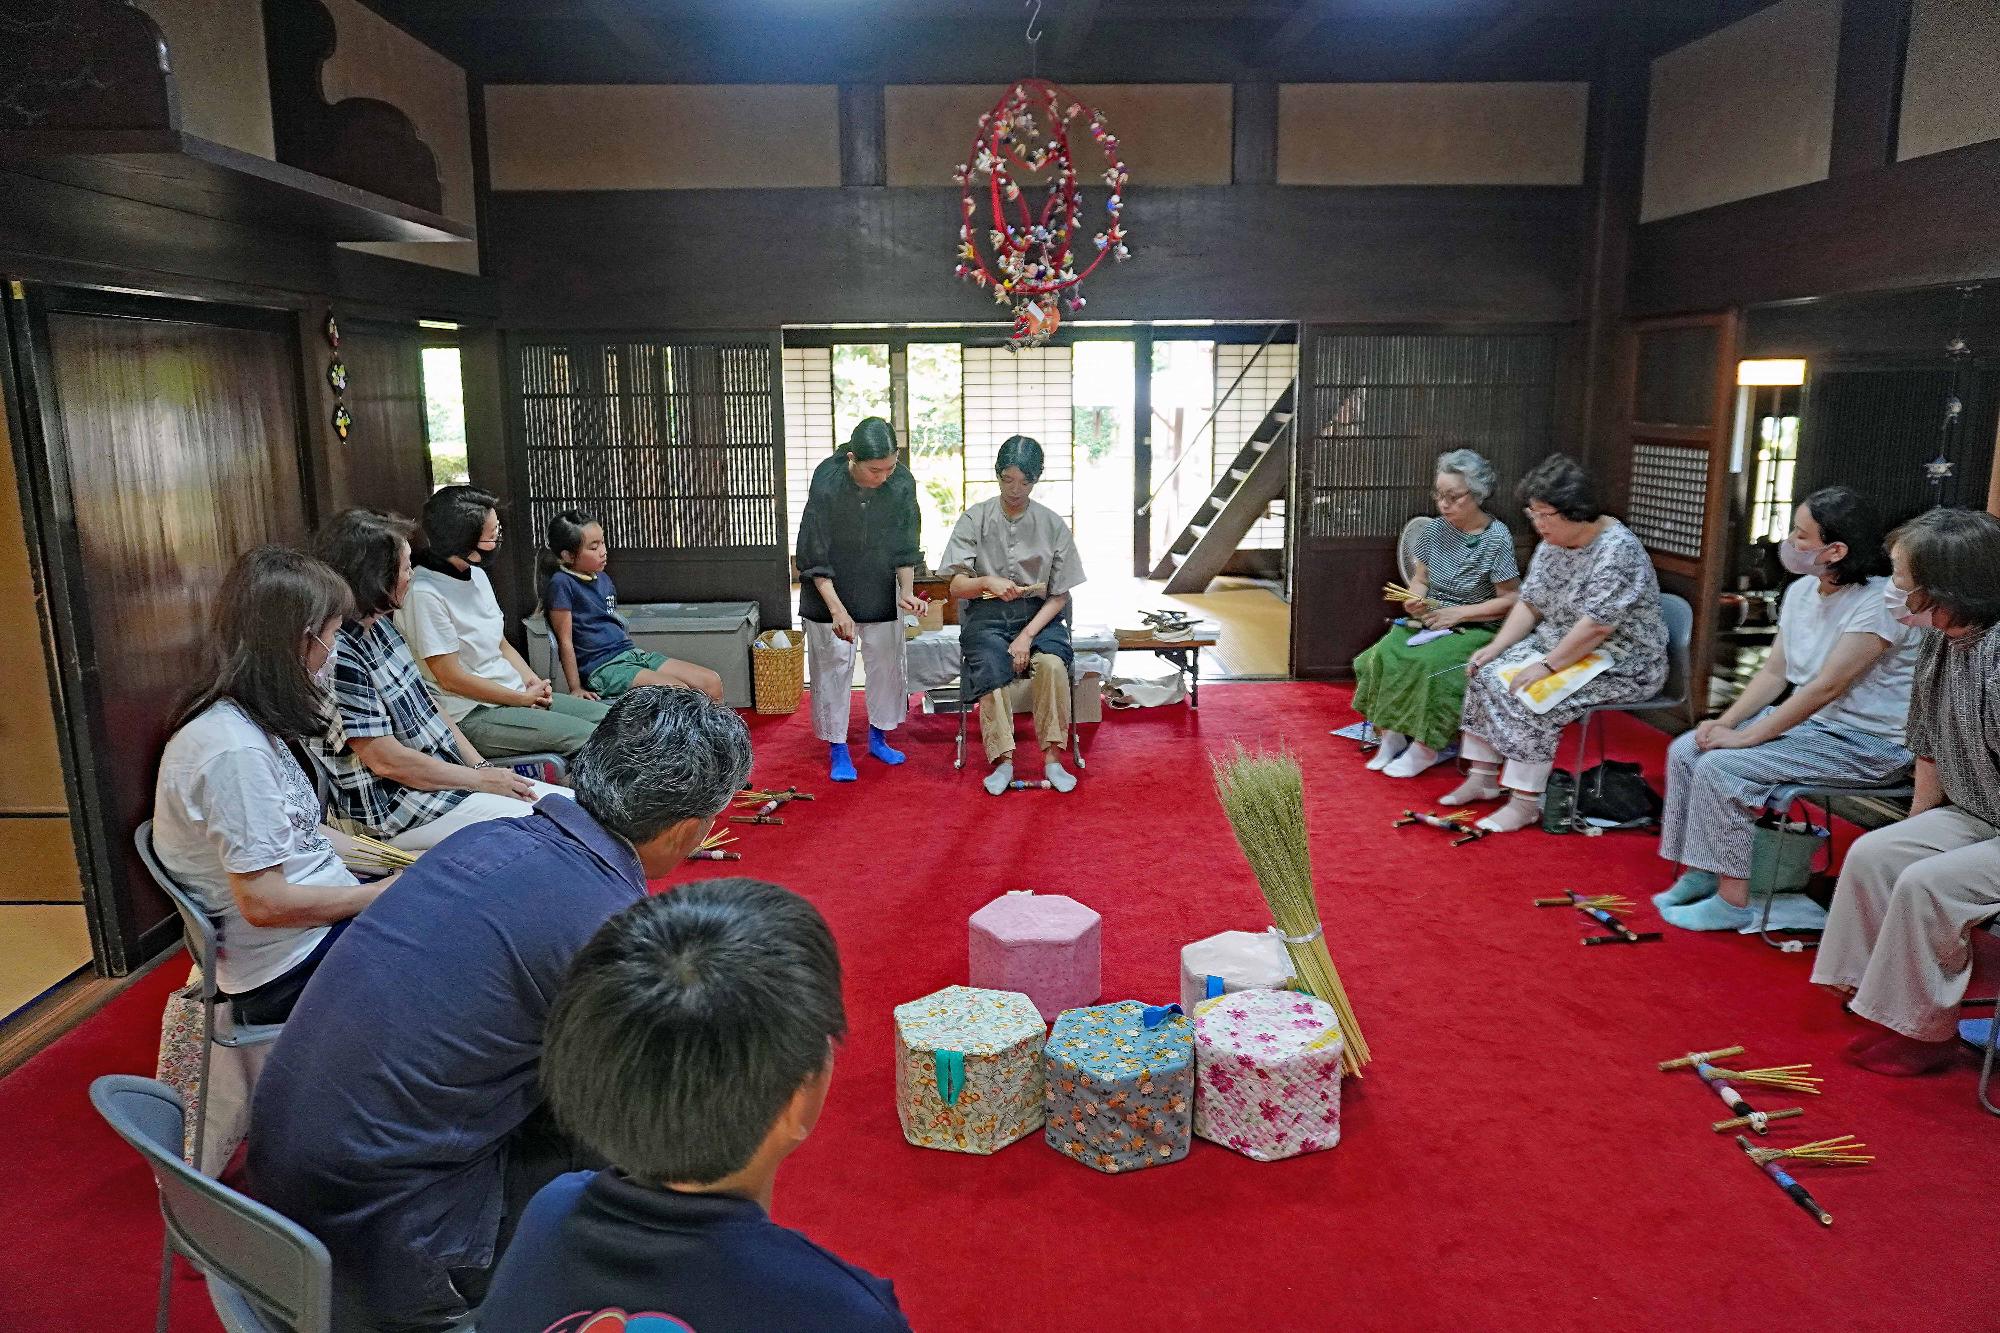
<point x="1029" y="259"/>
<point x="343" y="420"/>
<point x="336" y="375"/>
<point x="332" y="331"/>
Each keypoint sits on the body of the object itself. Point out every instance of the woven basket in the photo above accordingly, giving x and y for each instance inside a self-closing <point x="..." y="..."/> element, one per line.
<point x="779" y="673"/>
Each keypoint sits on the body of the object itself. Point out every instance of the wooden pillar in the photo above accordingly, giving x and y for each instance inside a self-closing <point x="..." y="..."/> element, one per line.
<point x="1142" y="452"/>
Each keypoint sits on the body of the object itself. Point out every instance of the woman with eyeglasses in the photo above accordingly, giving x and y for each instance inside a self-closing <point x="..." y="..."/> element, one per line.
<point x="1590" y="588"/>
<point x="455" y="629"/>
<point x="236" y="821"/>
<point x="1465" y="582"/>
<point x="1899" y="937"/>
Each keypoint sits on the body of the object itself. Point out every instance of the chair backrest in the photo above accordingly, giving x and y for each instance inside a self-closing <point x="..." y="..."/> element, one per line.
<point x="277" y="1272"/>
<point x="200" y="931"/>
<point x="1679" y="617"/>
<point x="1406" y="546"/>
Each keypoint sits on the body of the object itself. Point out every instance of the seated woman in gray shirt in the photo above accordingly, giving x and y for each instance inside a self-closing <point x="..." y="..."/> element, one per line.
<point x="235" y="819"/>
<point x="1015" y="562"/>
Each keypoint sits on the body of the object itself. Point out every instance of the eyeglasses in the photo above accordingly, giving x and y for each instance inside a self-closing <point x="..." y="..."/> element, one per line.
<point x="1540" y="515"/>
<point x="1449" y="497"/>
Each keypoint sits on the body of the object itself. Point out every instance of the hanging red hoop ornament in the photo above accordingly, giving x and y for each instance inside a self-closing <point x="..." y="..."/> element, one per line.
<point x="1028" y="258"/>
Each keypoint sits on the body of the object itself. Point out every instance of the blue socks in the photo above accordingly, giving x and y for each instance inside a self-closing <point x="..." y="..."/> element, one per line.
<point x="878" y="746"/>
<point x="843" y="767"/>
<point x="1708" y="914"/>
<point x="1691" y="887"/>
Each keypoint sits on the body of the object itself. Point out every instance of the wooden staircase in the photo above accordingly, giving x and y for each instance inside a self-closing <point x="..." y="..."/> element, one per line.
<point x="1258" y="474"/>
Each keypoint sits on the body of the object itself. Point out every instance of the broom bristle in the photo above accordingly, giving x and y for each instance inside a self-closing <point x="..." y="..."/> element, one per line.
<point x="1264" y="797"/>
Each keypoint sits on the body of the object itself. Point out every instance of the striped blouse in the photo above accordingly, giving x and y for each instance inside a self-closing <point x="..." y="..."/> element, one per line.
<point x="1461" y="569"/>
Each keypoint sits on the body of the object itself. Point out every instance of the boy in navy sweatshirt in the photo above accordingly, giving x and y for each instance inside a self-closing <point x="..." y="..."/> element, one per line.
<point x="691" y="1047"/>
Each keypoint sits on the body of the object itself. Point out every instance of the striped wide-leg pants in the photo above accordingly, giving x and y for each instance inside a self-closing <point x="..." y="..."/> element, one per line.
<point x="1715" y="796"/>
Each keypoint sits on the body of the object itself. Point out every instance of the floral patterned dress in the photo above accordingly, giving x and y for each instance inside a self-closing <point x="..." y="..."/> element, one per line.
<point x="1610" y="580"/>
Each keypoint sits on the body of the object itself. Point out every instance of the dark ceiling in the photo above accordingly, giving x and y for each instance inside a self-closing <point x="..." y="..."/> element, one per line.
<point x="941" y="41"/>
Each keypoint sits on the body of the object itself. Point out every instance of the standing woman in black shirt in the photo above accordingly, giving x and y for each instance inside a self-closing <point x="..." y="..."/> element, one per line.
<point x="857" y="556"/>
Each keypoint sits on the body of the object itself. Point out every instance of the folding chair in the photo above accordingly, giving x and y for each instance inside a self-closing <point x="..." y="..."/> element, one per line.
<point x="957" y="697"/>
<point x="1780" y="805"/>
<point x="1674" y="694"/>
<point x="202" y="942"/>
<point x="266" y="1273"/>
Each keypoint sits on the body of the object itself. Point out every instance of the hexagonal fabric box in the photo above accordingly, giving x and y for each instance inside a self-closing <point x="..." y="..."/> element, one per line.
<point x="968" y="1069"/>
<point x="1268" y="1073"/>
<point x="1120" y="1088"/>
<point x="1044" y="945"/>
<point x="1237" y="960"/>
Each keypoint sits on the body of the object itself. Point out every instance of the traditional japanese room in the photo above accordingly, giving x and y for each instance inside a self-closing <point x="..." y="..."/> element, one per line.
<point x="747" y="665"/>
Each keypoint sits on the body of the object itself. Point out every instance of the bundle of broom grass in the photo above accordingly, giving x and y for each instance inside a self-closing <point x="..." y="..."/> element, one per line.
<point x="1264" y="797"/>
<point x="370" y="856"/>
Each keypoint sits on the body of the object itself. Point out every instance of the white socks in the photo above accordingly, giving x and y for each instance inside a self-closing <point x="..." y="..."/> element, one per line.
<point x="1002" y="774"/>
<point x="1389" y="744"/>
<point x="1523" y="809"/>
<point x="1481" y="784"/>
<point x="1413" y="760"/>
<point x="1059" y="777"/>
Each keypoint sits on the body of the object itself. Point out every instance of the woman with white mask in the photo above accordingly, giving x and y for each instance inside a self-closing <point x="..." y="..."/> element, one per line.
<point x="1846" y="662"/>
<point x="1899" y="937"/>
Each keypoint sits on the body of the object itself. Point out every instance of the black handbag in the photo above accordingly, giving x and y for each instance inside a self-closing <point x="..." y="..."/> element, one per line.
<point x="1613" y="793"/>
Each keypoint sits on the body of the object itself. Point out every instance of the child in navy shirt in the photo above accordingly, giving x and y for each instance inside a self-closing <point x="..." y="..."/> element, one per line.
<point x="593" y="647"/>
<point x="691" y="1046"/>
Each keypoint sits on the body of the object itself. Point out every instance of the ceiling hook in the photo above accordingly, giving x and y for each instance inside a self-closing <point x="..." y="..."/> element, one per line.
<point x="1034" y="19"/>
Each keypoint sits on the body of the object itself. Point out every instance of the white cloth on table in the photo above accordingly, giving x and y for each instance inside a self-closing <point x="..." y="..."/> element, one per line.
<point x="832" y="661"/>
<point x="1810" y="625"/>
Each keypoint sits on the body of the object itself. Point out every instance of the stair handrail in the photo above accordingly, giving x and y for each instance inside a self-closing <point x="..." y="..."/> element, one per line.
<point x="1255" y="356"/>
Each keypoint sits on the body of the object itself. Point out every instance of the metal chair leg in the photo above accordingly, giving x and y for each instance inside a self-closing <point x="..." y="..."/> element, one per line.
<point x="1076" y="745"/>
<point x="958" y="760"/>
<point x="162" y="1318"/>
<point x="1986" y="1065"/>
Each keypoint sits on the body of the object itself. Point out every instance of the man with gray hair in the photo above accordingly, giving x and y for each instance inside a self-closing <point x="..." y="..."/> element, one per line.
<point x="400" y="1118"/>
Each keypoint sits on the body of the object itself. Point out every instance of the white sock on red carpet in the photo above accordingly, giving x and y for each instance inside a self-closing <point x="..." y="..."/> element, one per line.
<point x="1481" y="784"/>
<point x="1388" y="745"/>
<point x="1522" y="809"/>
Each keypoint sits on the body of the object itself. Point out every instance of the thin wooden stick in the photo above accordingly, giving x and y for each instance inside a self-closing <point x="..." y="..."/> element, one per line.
<point x="1693" y="1058"/>
<point x="1754" y="1119"/>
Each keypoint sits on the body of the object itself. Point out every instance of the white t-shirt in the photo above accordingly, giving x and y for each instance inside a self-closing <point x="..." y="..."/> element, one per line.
<point x="229" y="799"/>
<point x="447" y="615"/>
<point x="1809" y="625"/>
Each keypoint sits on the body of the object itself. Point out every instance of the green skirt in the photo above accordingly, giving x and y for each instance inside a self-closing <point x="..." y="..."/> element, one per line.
<point x="1400" y="688"/>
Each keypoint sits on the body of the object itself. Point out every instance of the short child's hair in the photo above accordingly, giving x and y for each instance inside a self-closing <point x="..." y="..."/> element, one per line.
<point x="687" y="1023"/>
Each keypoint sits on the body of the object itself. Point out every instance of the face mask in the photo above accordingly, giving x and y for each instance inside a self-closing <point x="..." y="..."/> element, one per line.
<point x="1899" y="607"/>
<point x="1797" y="560"/>
<point x="322" y="679"/>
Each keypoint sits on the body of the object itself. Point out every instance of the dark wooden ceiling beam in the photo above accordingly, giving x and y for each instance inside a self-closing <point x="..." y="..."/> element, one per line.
<point x="640" y="34"/>
<point x="1304" y="21"/>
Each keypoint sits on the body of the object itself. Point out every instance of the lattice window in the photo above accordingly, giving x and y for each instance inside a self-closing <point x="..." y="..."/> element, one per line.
<point x="1385" y="406"/>
<point x="1270" y="374"/>
<point x="1020" y="393"/>
<point x="808" y="427"/>
<point x="1669" y="500"/>
<point x="669" y="444"/>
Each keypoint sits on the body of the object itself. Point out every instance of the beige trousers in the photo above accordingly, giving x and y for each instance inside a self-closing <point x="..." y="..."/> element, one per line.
<point x="1899" y="933"/>
<point x="1520" y="775"/>
<point x="1049" y="680"/>
<point x="478" y="806"/>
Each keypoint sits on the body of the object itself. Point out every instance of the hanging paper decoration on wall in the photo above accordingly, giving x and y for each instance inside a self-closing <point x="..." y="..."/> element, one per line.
<point x="1025" y="255"/>
<point x="336" y="375"/>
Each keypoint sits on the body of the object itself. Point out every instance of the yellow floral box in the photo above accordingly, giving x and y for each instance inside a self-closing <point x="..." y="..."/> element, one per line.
<point x="969" y="1069"/>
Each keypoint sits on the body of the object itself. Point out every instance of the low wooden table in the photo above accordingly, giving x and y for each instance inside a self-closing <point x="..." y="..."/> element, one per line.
<point x="1183" y="654"/>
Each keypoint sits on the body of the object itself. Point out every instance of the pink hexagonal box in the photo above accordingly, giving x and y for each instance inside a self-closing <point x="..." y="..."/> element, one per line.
<point x="1044" y="945"/>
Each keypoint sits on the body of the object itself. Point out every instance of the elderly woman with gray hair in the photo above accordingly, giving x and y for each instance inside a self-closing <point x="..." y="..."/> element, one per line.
<point x="1465" y="584"/>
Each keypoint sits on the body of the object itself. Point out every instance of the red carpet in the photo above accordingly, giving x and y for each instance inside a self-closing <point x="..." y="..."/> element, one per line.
<point x="1513" y="1159"/>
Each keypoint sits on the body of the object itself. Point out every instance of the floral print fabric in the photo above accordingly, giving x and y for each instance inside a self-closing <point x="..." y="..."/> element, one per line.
<point x="1269" y="1083"/>
<point x="997" y="1036"/>
<point x="1120" y="1094"/>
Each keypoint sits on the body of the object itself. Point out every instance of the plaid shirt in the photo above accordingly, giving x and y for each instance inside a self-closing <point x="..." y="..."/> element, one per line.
<point x="378" y="691"/>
